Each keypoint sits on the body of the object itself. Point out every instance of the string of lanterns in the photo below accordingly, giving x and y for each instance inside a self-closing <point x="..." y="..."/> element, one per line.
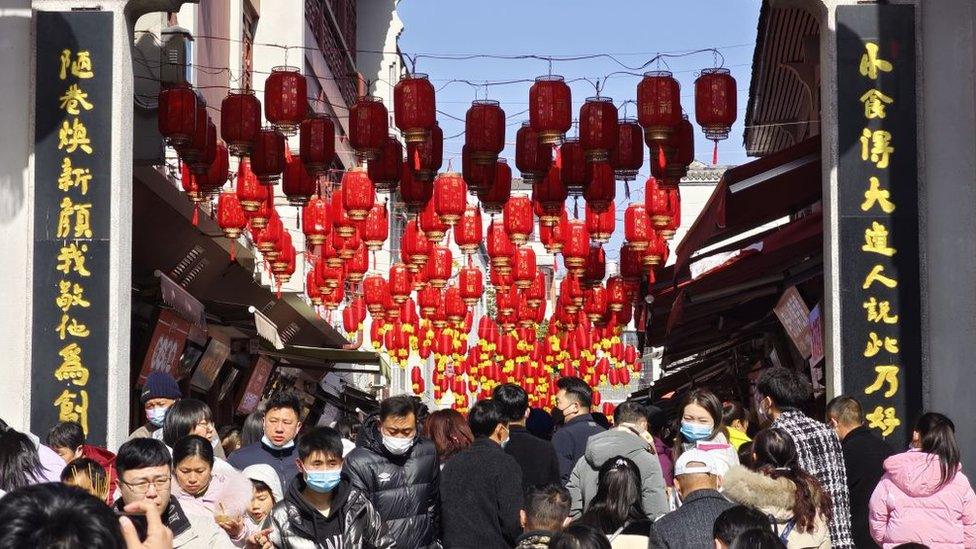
<point x="423" y="304"/>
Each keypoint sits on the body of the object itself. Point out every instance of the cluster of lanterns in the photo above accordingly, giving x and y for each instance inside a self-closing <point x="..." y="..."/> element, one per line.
<point x="423" y="304"/>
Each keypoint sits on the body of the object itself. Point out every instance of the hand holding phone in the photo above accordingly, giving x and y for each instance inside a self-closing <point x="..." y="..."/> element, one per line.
<point x="154" y="536"/>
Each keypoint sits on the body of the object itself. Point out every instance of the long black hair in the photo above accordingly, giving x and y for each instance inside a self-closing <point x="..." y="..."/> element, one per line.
<point x="20" y="464"/>
<point x="618" y="496"/>
<point x="937" y="435"/>
<point x="776" y="457"/>
<point x="579" y="536"/>
<point x="182" y="417"/>
<point x="707" y="400"/>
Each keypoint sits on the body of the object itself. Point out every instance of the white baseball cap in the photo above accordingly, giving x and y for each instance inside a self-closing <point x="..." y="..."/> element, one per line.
<point x="695" y="461"/>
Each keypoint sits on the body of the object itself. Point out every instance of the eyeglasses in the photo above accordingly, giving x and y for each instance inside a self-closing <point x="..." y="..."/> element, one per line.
<point x="142" y="487"/>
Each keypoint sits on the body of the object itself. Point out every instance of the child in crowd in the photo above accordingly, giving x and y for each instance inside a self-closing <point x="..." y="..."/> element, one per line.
<point x="266" y="492"/>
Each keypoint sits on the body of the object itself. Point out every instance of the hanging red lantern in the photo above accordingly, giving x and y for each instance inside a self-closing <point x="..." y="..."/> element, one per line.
<point x="240" y="120"/>
<point x="637" y="226"/>
<point x="679" y="152"/>
<point x="296" y="183"/>
<point x="191" y="151"/>
<point x="525" y="267"/>
<point x="316" y="143"/>
<point x="267" y="240"/>
<point x="595" y="303"/>
<point x="358" y="194"/>
<point x="478" y="177"/>
<point x="376" y="228"/>
<point x="312" y="290"/>
<point x="599" y="130"/>
<point x="494" y="198"/>
<point x="656" y="202"/>
<point x="202" y="150"/>
<point x="439" y="266"/>
<point x="550" y="194"/>
<point x="595" y="268"/>
<point x="400" y="285"/>
<point x="617" y="295"/>
<point x="576" y="246"/>
<point x="468" y="231"/>
<point x="715" y="104"/>
<point x="259" y="217"/>
<point x="550" y="108"/>
<point x="450" y="197"/>
<point x="346" y="245"/>
<point x="316" y="222"/>
<point x="554" y="237"/>
<point x="502" y="281"/>
<point x="375" y="291"/>
<point x="268" y="155"/>
<point x="674" y="214"/>
<point x="572" y="167"/>
<point x="430" y="301"/>
<point x="368" y="126"/>
<point x="627" y="157"/>
<point x="344" y="226"/>
<point x="453" y="304"/>
<point x="484" y="131"/>
<point x="632" y="261"/>
<point x="535" y="295"/>
<point x="518" y="219"/>
<point x="426" y="157"/>
<point x="230" y="215"/>
<point x="356" y="266"/>
<point x="416" y="193"/>
<point x="658" y="106"/>
<point x="601" y="224"/>
<point x="415" y="244"/>
<point x="176" y="116"/>
<point x="431" y="223"/>
<point x="470" y="285"/>
<point x="654" y="255"/>
<point x="500" y="247"/>
<point x="414" y="107"/>
<point x="384" y="170"/>
<point x="532" y="157"/>
<point x="250" y="192"/>
<point x="217" y="173"/>
<point x="572" y="289"/>
<point x="285" y="99"/>
<point x="601" y="188"/>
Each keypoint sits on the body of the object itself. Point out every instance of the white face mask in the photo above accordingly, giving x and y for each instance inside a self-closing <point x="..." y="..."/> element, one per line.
<point x="396" y="445"/>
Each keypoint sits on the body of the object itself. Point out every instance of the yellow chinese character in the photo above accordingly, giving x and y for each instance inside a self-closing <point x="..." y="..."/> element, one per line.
<point x="73" y="137"/>
<point x="72" y="327"/>
<point x="876" y="276"/>
<point x="73" y="177"/>
<point x="72" y="257"/>
<point x="82" y="217"/>
<point x="81" y="67"/>
<point x="64" y="218"/>
<point x="875" y="194"/>
<point x="871" y="63"/>
<point x="883" y="419"/>
<point x="886" y="374"/>
<point x="878" y="311"/>
<point x="74" y="98"/>
<point x="70" y="410"/>
<point x="876" y="240"/>
<point x="874" y="104"/>
<point x="71" y="366"/>
<point x="875" y="344"/>
<point x="70" y="296"/>
<point x="876" y="145"/>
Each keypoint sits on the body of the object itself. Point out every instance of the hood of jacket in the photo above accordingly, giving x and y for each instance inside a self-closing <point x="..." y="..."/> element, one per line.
<point x="773" y="496"/>
<point x="916" y="473"/>
<point x="609" y="444"/>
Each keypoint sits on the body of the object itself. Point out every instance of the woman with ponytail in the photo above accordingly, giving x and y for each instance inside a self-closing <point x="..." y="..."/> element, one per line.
<point x="923" y="496"/>
<point x="797" y="505"/>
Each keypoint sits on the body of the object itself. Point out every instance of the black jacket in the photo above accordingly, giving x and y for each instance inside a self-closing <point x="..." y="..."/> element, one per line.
<point x="570" y="442"/>
<point x="296" y="524"/>
<point x="690" y="526"/>
<point x="284" y="461"/>
<point x="535" y="456"/>
<point x="481" y="495"/>
<point x="864" y="455"/>
<point x="403" y="489"/>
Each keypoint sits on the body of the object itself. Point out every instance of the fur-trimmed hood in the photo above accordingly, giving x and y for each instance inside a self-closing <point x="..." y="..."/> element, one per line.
<point x="773" y="496"/>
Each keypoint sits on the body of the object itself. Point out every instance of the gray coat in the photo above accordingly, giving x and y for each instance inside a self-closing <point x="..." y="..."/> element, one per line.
<point x="690" y="526"/>
<point x="622" y="441"/>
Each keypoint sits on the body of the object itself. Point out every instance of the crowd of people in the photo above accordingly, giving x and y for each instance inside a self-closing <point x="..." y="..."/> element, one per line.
<point x="504" y="476"/>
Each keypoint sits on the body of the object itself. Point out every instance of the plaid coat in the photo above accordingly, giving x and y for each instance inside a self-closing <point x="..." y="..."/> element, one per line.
<point x="821" y="455"/>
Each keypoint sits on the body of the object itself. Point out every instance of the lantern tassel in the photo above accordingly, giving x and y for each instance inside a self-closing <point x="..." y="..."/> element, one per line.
<point x="715" y="153"/>
<point x="196" y="215"/>
<point x="416" y="160"/>
<point x="278" y="285"/>
<point x="661" y="160"/>
<point x="233" y="251"/>
<point x="627" y="190"/>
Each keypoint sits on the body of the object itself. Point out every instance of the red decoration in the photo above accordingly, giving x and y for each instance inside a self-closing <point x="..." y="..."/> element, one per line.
<point x="500" y="247"/>
<point x="518" y="219"/>
<point x="415" y="245"/>
<point x="376" y="228"/>
<point x="601" y="224"/>
<point x="595" y="303"/>
<point x="525" y="267"/>
<point x="715" y="103"/>
<point x="637" y="226"/>
<point x="439" y="266"/>
<point x="470" y="285"/>
<point x="468" y="231"/>
<point x="679" y="152"/>
<point x="535" y="295"/>
<point x="632" y="261"/>
<point x="599" y="130"/>
<point x="454" y="305"/>
<point x="550" y="194"/>
<point x="297" y="185"/>
<point x="572" y="167"/>
<point x="427" y="156"/>
<point x="414" y="107"/>
<point x="316" y="222"/>
<point x="268" y="155"/>
<point x="430" y="300"/>
<point x="484" y="131"/>
<point x="176" y="116"/>
<point x="285" y="99"/>
<point x="400" y="285"/>
<point x="249" y="191"/>
<point x="450" y="197"/>
<point x="595" y="268"/>
<point x="368" y="126"/>
<point x="384" y="170"/>
<point x="550" y="108"/>
<point x="532" y="157"/>
<point x="344" y="225"/>
<point x="358" y="195"/>
<point x="356" y="266"/>
<point x="230" y="216"/>
<point x="240" y="120"/>
<point x="627" y="157"/>
<point x="601" y="187"/>
<point x="617" y="294"/>
<point x="376" y="292"/>
<point x="416" y="193"/>
<point x="658" y="106"/>
<point x="576" y="246"/>
<point x="316" y="138"/>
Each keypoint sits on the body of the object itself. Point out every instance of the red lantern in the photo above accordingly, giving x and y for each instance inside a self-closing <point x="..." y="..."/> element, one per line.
<point x="656" y="203"/>
<point x="599" y="130"/>
<point x="525" y="267"/>
<point x="177" y="114"/>
<point x="358" y="195"/>
<point x="658" y="106"/>
<point x="268" y="155"/>
<point x="384" y="170"/>
<point x="601" y="187"/>
<point x="312" y="290"/>
<point x="502" y="281"/>
<point x="356" y="266"/>
<point x="518" y="219"/>
<point x="217" y="173"/>
<point x="285" y="99"/>
<point x="632" y="261"/>
<point x="316" y="138"/>
<point x="368" y="126"/>
<point x="532" y="157"/>
<point x="430" y="301"/>
<point x="572" y="289"/>
<point x="230" y="216"/>
<point x="343" y="224"/>
<point x="627" y="157"/>
<point x="715" y="102"/>
<point x="431" y="223"/>
<point x="249" y="191"/>
<point x="202" y="150"/>
<point x="468" y="231"/>
<point x="572" y="167"/>
<point x="453" y="304"/>
<point x="576" y="246"/>
<point x="595" y="303"/>
<point x="414" y="244"/>
<point x="439" y="266"/>
<point x="479" y="177"/>
<point x="674" y="213"/>
<point x="376" y="292"/>
<point x="426" y="157"/>
<point x="414" y="107"/>
<point x="535" y="295"/>
<point x="315" y="220"/>
<point x="601" y="224"/>
<point x="617" y="295"/>
<point x="267" y="240"/>
<point x="259" y="217"/>
<point x="656" y="250"/>
<point x="470" y="285"/>
<point x="416" y="193"/>
<point x="595" y="267"/>
<point x="494" y="198"/>
<point x="400" y="285"/>
<point x="679" y="152"/>
<point x="550" y="108"/>
<point x="450" y="197"/>
<point x="500" y="247"/>
<point x="240" y="120"/>
<point x="550" y="194"/>
<point x="637" y="226"/>
<point x="376" y="229"/>
<point x="484" y="131"/>
<point x="297" y="185"/>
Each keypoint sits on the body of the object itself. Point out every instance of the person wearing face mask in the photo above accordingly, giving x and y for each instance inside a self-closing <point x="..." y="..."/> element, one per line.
<point x="481" y="487"/>
<point x="282" y="421"/>
<point x="159" y="392"/>
<point x="701" y="428"/>
<point x="397" y="470"/>
<point x="320" y="508"/>
<point x="573" y="401"/>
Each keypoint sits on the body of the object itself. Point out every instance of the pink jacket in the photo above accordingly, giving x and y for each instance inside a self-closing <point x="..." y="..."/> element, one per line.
<point x="909" y="506"/>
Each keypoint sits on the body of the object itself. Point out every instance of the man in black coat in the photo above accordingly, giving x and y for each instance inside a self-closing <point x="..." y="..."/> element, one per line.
<point x="573" y="400"/>
<point x="481" y="487"/>
<point x="535" y="456"/>
<point x="864" y="455"/>
<point x="398" y="471"/>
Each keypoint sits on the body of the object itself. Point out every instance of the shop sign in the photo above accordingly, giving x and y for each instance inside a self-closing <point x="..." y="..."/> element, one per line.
<point x="72" y="231"/>
<point x="794" y="315"/>
<point x="213" y="359"/>
<point x="878" y="215"/>
<point x="255" y="385"/>
<point x="166" y="346"/>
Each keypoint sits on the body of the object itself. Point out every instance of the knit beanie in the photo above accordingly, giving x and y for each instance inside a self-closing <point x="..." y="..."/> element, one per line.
<point x="160" y="385"/>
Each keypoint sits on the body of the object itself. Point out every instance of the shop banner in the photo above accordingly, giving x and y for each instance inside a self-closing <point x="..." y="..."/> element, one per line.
<point x="255" y="385"/>
<point x="209" y="367"/>
<point x="878" y="215"/>
<point x="793" y="314"/>
<point x="72" y="232"/>
<point x="166" y="346"/>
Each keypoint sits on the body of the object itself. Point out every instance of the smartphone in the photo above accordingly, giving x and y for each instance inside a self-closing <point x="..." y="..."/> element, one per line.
<point x="139" y="521"/>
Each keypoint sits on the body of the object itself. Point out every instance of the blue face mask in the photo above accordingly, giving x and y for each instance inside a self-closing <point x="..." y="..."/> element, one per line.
<point x="322" y="481"/>
<point x="693" y="432"/>
<point x="157" y="415"/>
